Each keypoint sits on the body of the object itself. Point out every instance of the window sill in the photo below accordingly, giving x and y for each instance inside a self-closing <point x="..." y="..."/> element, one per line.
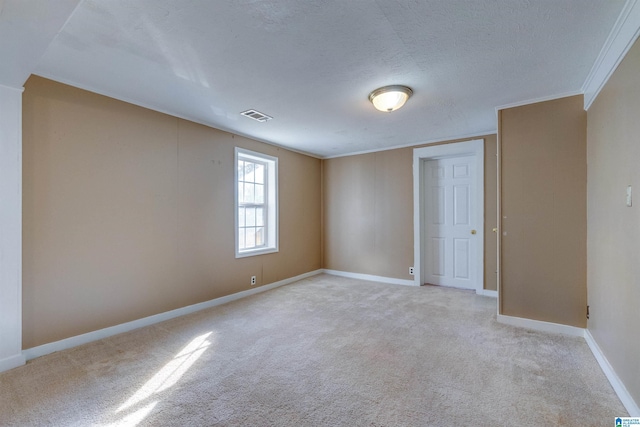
<point x="261" y="251"/>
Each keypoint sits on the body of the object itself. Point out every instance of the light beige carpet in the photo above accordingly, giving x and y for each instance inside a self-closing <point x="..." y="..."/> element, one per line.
<point x="326" y="351"/>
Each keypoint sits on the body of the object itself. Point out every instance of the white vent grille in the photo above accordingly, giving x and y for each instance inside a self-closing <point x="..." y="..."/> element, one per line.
<point x="256" y="115"/>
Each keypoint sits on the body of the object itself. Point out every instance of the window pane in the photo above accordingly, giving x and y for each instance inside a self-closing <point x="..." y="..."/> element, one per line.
<point x="259" y="174"/>
<point x="256" y="229"/>
<point x="259" y="193"/>
<point x="248" y="171"/>
<point x="259" y="216"/>
<point x="251" y="217"/>
<point x="259" y="236"/>
<point x="240" y="170"/>
<point x="241" y="217"/>
<point x="241" y="238"/>
<point x="248" y="193"/>
<point x="250" y="236"/>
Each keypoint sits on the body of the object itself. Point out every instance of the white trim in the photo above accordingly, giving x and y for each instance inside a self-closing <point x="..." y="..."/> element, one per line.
<point x="12" y="362"/>
<point x="473" y="147"/>
<point x="271" y="196"/>
<point x="487" y="293"/>
<point x="539" y="325"/>
<point x="67" y="343"/>
<point x="235" y="132"/>
<point x="171" y="113"/>
<point x="499" y="214"/>
<point x="623" y="394"/>
<point x="17" y="89"/>
<point x="537" y="100"/>
<point x="10" y="227"/>
<point x="417" y="144"/>
<point x="618" y="386"/>
<point x="32" y="353"/>
<point x="622" y="36"/>
<point x="370" y="277"/>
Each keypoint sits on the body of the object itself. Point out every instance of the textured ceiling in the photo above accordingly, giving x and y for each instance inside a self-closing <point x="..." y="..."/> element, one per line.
<point x="26" y="29"/>
<point x="311" y="65"/>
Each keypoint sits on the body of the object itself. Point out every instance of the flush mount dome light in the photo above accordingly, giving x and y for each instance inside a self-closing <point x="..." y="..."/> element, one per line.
<point x="390" y="98"/>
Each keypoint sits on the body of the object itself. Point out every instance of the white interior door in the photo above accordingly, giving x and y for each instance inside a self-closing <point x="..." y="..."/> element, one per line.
<point x="451" y="241"/>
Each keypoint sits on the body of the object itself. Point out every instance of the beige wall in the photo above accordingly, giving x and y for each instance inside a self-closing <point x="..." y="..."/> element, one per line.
<point x="613" y="243"/>
<point x="543" y="197"/>
<point x="368" y="213"/>
<point x="129" y="212"/>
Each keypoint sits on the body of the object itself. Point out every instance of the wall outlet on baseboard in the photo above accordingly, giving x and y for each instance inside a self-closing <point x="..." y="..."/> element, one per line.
<point x="411" y="272"/>
<point x="253" y="280"/>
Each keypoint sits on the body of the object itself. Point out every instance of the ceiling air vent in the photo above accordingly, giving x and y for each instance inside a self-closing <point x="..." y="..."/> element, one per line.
<point x="256" y="115"/>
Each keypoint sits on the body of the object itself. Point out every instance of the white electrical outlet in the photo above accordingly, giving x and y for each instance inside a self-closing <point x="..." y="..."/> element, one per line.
<point x="253" y="280"/>
<point x="629" y="201"/>
<point x="411" y="272"/>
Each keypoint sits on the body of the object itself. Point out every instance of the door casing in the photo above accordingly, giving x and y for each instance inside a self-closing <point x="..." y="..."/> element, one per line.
<point x="433" y="152"/>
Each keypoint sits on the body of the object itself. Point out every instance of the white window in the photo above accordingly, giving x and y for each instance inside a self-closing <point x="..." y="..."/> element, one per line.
<point x="256" y="180"/>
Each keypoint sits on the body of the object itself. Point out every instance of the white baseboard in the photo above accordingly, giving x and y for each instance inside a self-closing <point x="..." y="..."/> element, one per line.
<point x="623" y="394"/>
<point x="630" y="405"/>
<point x="539" y="325"/>
<point x="32" y="353"/>
<point x="487" y="293"/>
<point x="12" y="362"/>
<point x="67" y="343"/>
<point x="370" y="277"/>
<point x="393" y="281"/>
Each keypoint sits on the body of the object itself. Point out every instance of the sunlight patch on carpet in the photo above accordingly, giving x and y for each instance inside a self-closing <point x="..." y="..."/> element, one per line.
<point x="170" y="373"/>
<point x="135" y="418"/>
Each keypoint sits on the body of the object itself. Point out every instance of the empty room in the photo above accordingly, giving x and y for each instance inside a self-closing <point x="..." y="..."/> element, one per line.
<point x="286" y="213"/>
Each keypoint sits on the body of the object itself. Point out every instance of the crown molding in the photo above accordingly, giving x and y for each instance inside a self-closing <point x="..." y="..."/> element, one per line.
<point x="417" y="144"/>
<point x="536" y="100"/>
<point x="17" y="89"/>
<point x="622" y="36"/>
<point x="165" y="111"/>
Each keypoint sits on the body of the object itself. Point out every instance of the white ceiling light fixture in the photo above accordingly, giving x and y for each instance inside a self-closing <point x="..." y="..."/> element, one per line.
<point x="390" y="98"/>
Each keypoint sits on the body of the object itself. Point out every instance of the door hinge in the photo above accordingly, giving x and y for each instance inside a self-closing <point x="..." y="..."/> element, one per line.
<point x="587" y="312"/>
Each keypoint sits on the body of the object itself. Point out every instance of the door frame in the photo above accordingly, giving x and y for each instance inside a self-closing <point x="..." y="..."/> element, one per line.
<point x="434" y="152"/>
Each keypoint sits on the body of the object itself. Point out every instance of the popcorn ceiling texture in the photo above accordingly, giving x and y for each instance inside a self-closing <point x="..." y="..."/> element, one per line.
<point x="326" y="351"/>
<point x="311" y="65"/>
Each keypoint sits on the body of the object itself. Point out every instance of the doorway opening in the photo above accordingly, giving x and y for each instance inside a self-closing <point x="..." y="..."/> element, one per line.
<point x="448" y="215"/>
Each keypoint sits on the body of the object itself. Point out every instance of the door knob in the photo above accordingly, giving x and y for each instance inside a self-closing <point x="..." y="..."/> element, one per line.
<point x="473" y="232"/>
<point x="495" y="230"/>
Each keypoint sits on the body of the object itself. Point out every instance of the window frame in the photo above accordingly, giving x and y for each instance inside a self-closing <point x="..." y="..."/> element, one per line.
<point x="270" y="202"/>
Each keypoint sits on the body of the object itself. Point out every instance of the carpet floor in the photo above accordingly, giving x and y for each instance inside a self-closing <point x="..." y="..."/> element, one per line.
<point x="325" y="351"/>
